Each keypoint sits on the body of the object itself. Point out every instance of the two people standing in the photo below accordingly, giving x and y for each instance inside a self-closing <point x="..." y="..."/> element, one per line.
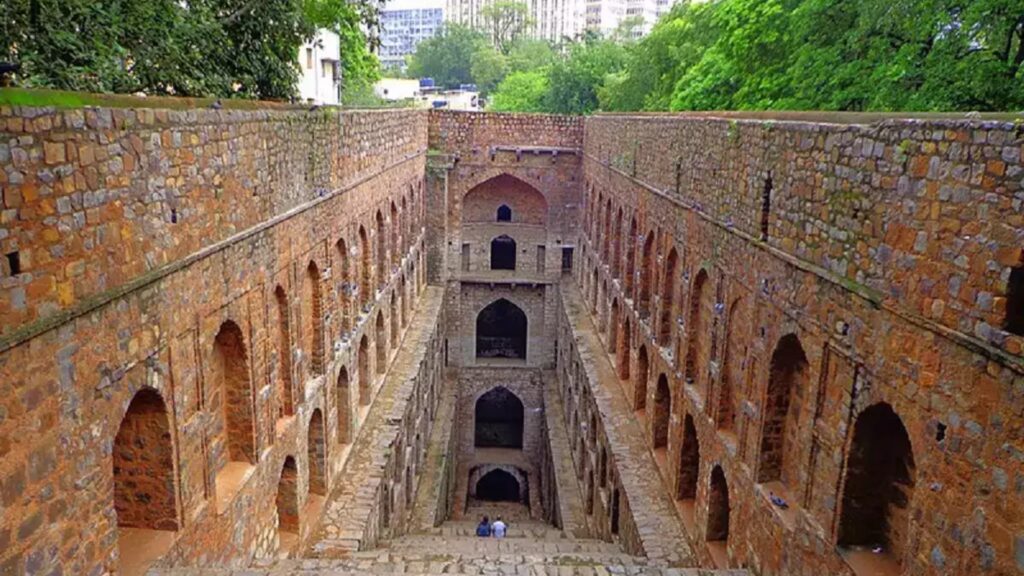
<point x="485" y="529"/>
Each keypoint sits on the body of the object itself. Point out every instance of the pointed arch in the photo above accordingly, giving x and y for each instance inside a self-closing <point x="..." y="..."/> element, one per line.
<point x="718" y="507"/>
<point x="316" y="452"/>
<point x="406" y="225"/>
<point x="394" y="224"/>
<point x="380" y="342"/>
<point x="879" y="483"/>
<point x="313" y="306"/>
<point x="393" y="310"/>
<point x="642" y="377"/>
<point x="606" y="239"/>
<point x="231" y="373"/>
<point x="646" y="275"/>
<point x="617" y="244"/>
<point x="503" y="253"/>
<point x="732" y="367"/>
<point x="689" y="462"/>
<point x="343" y="399"/>
<point x="613" y="326"/>
<point x="382" y="249"/>
<point x="287" y="498"/>
<point x="668" y="294"/>
<point x="662" y="413"/>
<point x="628" y="277"/>
<point x="504" y="214"/>
<point x="525" y="203"/>
<point x="501" y="331"/>
<point x="365" y="268"/>
<point x="365" y="378"/>
<point x="787" y="377"/>
<point x="498" y="419"/>
<point x="699" y="324"/>
<point x="284" y="391"/>
<point x="344" y="285"/>
<point x="143" y="464"/>
<point x="622" y="352"/>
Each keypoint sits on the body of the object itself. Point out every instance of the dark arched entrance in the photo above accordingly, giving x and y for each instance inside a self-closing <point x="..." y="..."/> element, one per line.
<point x="499" y="420"/>
<point x="498" y="486"/>
<point x="879" y="483"/>
<point x="503" y="253"/>
<point x="501" y="331"/>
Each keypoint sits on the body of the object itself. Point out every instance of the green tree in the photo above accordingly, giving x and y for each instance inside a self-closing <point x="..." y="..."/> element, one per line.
<point x="488" y="68"/>
<point x="505" y="21"/>
<point x="448" y="56"/>
<point x="521" y="92"/>
<point x="573" y="83"/>
<point x="226" y="48"/>
<point x="356" y="24"/>
<point x="530" y="54"/>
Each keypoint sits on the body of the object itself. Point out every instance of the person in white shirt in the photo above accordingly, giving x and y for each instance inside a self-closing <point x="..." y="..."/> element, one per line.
<point x="498" y="528"/>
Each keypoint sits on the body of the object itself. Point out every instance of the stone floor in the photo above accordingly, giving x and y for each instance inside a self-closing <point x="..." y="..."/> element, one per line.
<point x="531" y="548"/>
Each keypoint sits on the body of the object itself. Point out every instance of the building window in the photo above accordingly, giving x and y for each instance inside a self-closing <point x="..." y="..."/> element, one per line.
<point x="309" y="58"/>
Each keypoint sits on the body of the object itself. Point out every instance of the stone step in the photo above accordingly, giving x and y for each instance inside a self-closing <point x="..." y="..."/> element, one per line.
<point x="510" y="545"/>
<point x="511" y="565"/>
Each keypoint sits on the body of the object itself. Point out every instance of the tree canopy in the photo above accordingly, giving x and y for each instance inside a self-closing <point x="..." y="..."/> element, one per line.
<point x="224" y="48"/>
<point x="870" y="55"/>
<point x="448" y="56"/>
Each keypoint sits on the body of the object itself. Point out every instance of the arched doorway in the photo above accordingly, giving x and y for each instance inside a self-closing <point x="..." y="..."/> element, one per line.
<point x="662" y="413"/>
<point x="879" y="484"/>
<point x="285" y="397"/>
<point x="717" y="531"/>
<point x="231" y="372"/>
<point x="312" y="305"/>
<point x="316" y="449"/>
<point x="732" y="367"/>
<point x="382" y="251"/>
<point x="365" y="378"/>
<point x="642" y="377"/>
<point x="144" y="496"/>
<point x="504" y="214"/>
<point x="498" y="486"/>
<point x="700" y="314"/>
<point x="503" y="253"/>
<point x="287" y="503"/>
<point x="646" y="271"/>
<point x="344" y="286"/>
<point x="498" y="420"/>
<point x="689" y="462"/>
<point x="501" y="331"/>
<point x="365" y="269"/>
<point x="344" y="407"/>
<point x="380" y="342"/>
<point x="668" y="294"/>
<point x="788" y="376"/>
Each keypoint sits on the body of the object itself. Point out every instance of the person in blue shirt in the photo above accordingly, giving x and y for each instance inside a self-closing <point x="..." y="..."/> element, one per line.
<point x="483" y="529"/>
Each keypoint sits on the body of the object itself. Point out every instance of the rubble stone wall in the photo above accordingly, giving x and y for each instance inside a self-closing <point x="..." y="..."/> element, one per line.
<point x="823" y="268"/>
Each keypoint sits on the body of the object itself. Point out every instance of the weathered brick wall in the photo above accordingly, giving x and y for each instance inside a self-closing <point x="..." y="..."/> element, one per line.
<point x="264" y="198"/>
<point x="96" y="198"/>
<point x="881" y="287"/>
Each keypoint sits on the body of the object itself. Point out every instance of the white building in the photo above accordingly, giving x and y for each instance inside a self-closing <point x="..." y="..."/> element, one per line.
<point x="403" y="25"/>
<point x="320" y="62"/>
<point x="605" y="16"/>
<point x="552" y="20"/>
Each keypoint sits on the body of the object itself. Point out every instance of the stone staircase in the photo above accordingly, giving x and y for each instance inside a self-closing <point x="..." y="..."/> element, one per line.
<point x="531" y="548"/>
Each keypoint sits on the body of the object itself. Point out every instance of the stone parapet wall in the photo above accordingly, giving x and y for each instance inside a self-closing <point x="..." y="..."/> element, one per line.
<point x="923" y="215"/>
<point x="95" y="199"/>
<point x="287" y="278"/>
<point x="873" y="308"/>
